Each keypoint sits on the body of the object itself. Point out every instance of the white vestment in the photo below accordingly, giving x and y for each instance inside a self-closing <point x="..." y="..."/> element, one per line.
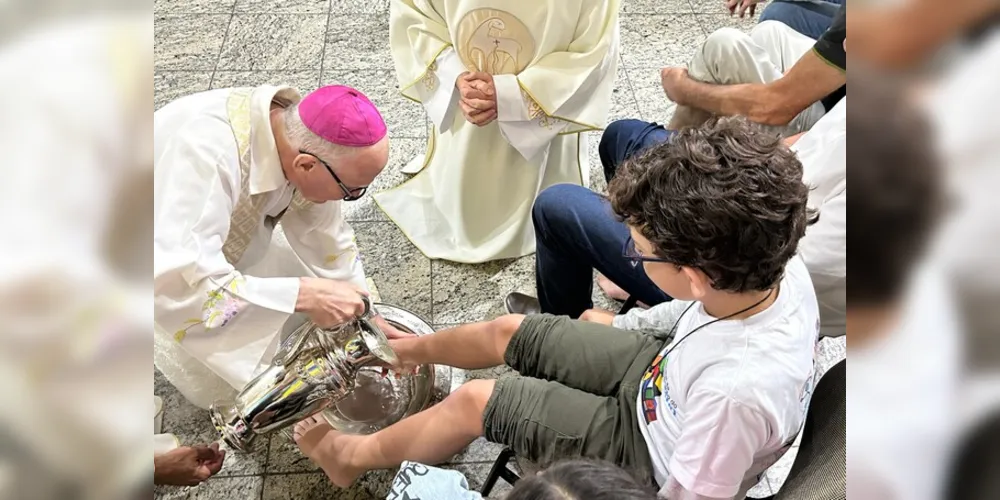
<point x="220" y="189"/>
<point x="554" y="65"/>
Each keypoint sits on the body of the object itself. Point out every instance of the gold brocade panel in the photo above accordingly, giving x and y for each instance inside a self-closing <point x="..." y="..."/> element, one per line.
<point x="247" y="214"/>
<point x="495" y="42"/>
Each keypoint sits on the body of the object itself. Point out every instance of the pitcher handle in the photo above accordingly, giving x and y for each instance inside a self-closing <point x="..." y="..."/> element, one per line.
<point x="289" y="349"/>
<point x="369" y="310"/>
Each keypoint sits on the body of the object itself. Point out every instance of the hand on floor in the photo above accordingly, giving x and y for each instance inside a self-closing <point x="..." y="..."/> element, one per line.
<point x="741" y="6"/>
<point x="188" y="465"/>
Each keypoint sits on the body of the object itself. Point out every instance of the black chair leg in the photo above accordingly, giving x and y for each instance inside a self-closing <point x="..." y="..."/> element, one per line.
<point x="630" y="302"/>
<point x="499" y="471"/>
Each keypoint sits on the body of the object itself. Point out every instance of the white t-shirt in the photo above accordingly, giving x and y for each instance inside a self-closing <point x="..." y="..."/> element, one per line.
<point x="823" y="153"/>
<point x="728" y="401"/>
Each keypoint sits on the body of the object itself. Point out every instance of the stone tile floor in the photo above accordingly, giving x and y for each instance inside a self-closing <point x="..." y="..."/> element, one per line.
<point x="205" y="44"/>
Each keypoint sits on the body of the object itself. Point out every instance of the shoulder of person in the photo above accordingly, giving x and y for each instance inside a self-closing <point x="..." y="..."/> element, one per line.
<point x="203" y="142"/>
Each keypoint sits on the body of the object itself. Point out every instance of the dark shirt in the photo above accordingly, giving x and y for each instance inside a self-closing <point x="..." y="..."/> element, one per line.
<point x="830" y="48"/>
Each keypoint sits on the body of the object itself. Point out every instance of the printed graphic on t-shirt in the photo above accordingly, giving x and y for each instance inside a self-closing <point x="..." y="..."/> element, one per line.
<point x="652" y="388"/>
<point x="407" y="474"/>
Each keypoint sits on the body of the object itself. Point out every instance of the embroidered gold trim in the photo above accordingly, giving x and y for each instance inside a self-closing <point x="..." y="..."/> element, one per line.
<point x="531" y="98"/>
<point x="430" y="79"/>
<point x="404" y="88"/>
<point x="246" y="215"/>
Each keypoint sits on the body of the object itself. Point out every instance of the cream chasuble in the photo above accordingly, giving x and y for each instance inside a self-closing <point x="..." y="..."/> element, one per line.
<point x="554" y="65"/>
<point x="222" y="288"/>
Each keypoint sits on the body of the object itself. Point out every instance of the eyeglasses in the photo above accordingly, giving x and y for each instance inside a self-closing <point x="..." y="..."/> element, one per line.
<point x="350" y="194"/>
<point x="629" y="252"/>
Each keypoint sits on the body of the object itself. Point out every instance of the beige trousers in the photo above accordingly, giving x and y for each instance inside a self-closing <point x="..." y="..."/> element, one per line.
<point x="730" y="56"/>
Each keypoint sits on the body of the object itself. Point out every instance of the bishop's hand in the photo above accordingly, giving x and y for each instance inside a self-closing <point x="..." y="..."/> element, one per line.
<point x="477" y="97"/>
<point x="330" y="303"/>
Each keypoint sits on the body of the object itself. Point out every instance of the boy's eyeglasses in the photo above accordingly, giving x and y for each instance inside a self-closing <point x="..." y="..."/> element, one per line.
<point x="629" y="252"/>
<point x="350" y="194"/>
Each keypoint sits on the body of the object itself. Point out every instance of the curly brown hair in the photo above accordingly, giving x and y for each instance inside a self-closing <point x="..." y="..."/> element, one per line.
<point x="726" y="198"/>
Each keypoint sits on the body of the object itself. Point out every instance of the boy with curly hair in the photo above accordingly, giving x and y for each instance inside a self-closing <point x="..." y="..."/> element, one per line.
<point x="700" y="409"/>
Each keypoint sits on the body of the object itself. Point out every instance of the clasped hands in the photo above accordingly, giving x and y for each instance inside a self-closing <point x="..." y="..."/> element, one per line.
<point x="477" y="97"/>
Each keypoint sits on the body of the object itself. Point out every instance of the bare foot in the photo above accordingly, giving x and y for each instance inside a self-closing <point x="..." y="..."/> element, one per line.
<point x="611" y="289"/>
<point x="328" y="448"/>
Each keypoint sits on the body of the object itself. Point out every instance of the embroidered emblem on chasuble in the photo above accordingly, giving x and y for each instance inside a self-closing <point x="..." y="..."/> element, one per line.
<point x="494" y="42"/>
<point x="246" y="215"/>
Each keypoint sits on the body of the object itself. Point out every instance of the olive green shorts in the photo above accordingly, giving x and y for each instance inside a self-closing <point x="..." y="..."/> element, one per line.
<point x="576" y="393"/>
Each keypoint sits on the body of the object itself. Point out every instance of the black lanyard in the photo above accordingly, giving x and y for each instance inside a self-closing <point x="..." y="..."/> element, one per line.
<point x="673" y="329"/>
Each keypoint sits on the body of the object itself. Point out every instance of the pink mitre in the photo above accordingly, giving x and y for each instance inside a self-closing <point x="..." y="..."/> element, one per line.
<point x="342" y="115"/>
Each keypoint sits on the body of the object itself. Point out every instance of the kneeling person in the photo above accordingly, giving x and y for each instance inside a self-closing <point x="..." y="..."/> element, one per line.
<point x="704" y="406"/>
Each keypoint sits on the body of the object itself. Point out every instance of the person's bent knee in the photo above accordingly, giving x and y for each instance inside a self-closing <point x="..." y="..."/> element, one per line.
<point x="767" y="31"/>
<point x="507" y="325"/>
<point x="552" y="206"/>
<point x="470" y="400"/>
<point x="724" y="40"/>
<point x="612" y="134"/>
<point x="474" y="394"/>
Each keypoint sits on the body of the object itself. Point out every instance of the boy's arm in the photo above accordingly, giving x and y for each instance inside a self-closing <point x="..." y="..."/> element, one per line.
<point x="658" y="317"/>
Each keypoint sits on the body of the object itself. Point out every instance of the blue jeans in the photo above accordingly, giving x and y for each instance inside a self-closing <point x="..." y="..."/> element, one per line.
<point x="576" y="232"/>
<point x="807" y="17"/>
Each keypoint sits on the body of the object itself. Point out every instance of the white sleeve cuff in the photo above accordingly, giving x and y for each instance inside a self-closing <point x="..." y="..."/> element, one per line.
<point x="510" y="103"/>
<point x="440" y="101"/>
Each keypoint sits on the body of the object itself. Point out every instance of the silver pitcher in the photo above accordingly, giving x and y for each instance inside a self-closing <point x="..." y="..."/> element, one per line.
<point x="313" y="369"/>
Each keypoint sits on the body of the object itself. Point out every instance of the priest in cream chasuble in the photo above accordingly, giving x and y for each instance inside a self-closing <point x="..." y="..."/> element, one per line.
<point x="553" y="66"/>
<point x="223" y="289"/>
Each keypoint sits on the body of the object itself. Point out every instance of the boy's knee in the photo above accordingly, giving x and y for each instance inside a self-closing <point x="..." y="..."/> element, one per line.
<point x="471" y="400"/>
<point x="507" y="325"/>
<point x="503" y="330"/>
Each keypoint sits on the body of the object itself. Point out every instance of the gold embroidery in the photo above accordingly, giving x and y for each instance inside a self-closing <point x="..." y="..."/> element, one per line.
<point x="535" y="112"/>
<point x="299" y="203"/>
<point x="495" y="42"/>
<point x="247" y="213"/>
<point x="430" y="79"/>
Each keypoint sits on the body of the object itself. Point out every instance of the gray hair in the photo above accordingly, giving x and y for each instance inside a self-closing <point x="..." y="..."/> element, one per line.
<point x="303" y="139"/>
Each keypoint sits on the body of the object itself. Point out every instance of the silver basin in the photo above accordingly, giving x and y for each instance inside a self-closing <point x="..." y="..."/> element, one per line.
<point x="378" y="402"/>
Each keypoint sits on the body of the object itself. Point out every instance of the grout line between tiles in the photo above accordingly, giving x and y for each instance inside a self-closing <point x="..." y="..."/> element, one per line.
<point x="267" y="465"/>
<point x="222" y="47"/>
<point x="326" y="38"/>
<point x="631" y="86"/>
